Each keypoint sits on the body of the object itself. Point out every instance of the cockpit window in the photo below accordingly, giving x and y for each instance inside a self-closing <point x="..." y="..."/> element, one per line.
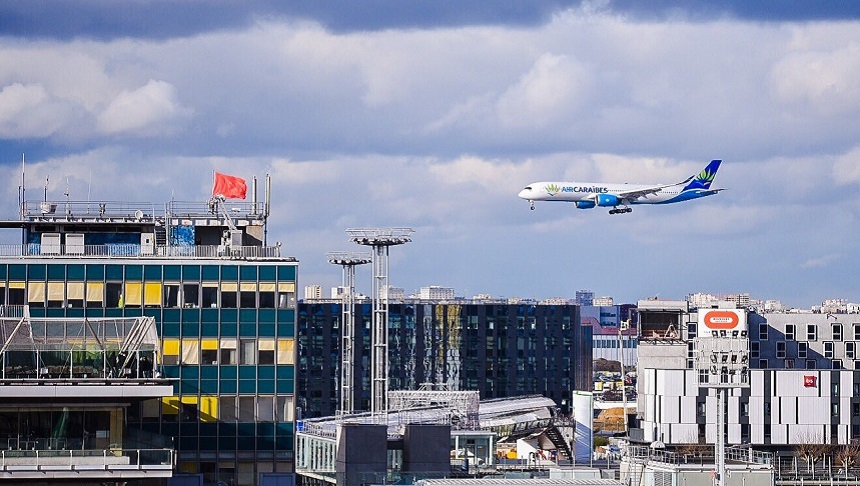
<point x="528" y="188"/>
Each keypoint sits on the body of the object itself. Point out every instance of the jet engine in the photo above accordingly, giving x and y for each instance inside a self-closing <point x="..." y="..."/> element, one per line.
<point x="584" y="204"/>
<point x="604" y="200"/>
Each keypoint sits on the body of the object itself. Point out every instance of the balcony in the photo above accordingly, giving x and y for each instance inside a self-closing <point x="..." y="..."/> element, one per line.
<point x="112" y="463"/>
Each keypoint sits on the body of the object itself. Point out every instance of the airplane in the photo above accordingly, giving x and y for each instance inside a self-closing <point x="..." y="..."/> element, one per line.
<point x="587" y="195"/>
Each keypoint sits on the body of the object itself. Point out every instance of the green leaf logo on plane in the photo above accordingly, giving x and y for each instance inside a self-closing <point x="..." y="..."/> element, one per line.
<point x="552" y="189"/>
<point x="705" y="178"/>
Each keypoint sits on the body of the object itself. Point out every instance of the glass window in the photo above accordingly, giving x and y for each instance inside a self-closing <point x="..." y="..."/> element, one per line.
<point x="17" y="293"/>
<point x="801" y="350"/>
<point x="762" y="331"/>
<point x="754" y="349"/>
<point x="265" y="409"/>
<point x="75" y="294"/>
<point x="762" y="363"/>
<point x="837" y="331"/>
<point x="209" y="351"/>
<point x="227" y="408"/>
<point x="836" y="364"/>
<point x="56" y="294"/>
<point x="828" y="349"/>
<point x="849" y="349"/>
<point x="811" y="332"/>
<point x="171" y="294"/>
<point x="285" y="408"/>
<point x="113" y="294"/>
<point x="857" y="331"/>
<point x="789" y="332"/>
<point x="228" y="351"/>
<point x="248" y="295"/>
<point x="152" y="293"/>
<point x="789" y="363"/>
<point x="170" y="353"/>
<point x="246" y="409"/>
<point x="229" y="295"/>
<point x="95" y="294"/>
<point x="780" y="349"/>
<point x="267" y="296"/>
<point x="209" y="295"/>
<point x="133" y="294"/>
<point x="267" y="351"/>
<point x="249" y="351"/>
<point x="36" y="293"/>
<point x="190" y="295"/>
<point x="190" y="351"/>
<point x="810" y="364"/>
<point x="286" y="295"/>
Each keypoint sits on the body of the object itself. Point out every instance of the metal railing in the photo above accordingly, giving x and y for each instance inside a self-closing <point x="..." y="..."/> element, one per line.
<point x="131" y="250"/>
<point x="95" y="209"/>
<point x="106" y="459"/>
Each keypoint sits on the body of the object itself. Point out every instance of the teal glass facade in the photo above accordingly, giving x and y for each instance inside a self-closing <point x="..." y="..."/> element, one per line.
<point x="227" y="337"/>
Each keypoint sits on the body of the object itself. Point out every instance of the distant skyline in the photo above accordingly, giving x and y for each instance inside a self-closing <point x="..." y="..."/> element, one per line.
<point x="434" y="114"/>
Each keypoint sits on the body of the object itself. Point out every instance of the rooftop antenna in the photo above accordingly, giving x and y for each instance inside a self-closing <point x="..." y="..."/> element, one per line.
<point x="68" y="208"/>
<point x="46" y="187"/>
<point x="23" y="190"/>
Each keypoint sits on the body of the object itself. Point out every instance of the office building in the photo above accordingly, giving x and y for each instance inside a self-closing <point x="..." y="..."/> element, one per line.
<point x="223" y="308"/>
<point x="501" y="350"/>
<point x="313" y="292"/>
<point x="803" y="381"/>
<point x="584" y="297"/>
<point x="436" y="292"/>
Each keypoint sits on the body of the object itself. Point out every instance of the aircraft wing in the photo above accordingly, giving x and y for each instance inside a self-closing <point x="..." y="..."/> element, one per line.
<point x="636" y="194"/>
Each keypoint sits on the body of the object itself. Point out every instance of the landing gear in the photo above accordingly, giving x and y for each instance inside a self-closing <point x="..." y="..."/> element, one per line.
<point x="532" y="205"/>
<point x="620" y="210"/>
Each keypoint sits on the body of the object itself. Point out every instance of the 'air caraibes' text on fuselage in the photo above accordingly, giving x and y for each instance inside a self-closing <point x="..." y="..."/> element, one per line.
<point x="595" y="189"/>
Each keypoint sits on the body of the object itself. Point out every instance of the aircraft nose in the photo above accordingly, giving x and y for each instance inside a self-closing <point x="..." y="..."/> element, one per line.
<point x="524" y="194"/>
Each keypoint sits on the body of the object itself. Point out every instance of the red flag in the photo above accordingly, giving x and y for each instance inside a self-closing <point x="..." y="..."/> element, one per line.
<point x="230" y="187"/>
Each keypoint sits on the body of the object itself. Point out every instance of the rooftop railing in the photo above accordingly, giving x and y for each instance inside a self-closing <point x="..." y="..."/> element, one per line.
<point x="139" y="251"/>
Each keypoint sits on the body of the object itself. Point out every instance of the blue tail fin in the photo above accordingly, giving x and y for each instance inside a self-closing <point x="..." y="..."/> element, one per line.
<point x="704" y="179"/>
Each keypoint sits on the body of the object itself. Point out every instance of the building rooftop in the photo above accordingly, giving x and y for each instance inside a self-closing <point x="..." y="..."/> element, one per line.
<point x="113" y="229"/>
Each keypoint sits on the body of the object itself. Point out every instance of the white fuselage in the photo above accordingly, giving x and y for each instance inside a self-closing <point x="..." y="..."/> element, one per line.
<point x="567" y="191"/>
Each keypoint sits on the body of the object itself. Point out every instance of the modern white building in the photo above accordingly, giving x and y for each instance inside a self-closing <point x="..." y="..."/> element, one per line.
<point x="436" y="292"/>
<point x="803" y="381"/>
<point x="313" y="292"/>
<point x="604" y="301"/>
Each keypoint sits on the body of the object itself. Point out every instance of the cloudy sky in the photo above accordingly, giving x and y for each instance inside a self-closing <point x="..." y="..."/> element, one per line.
<point x="433" y="114"/>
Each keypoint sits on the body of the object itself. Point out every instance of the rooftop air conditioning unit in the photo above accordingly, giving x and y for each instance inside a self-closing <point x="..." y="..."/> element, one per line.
<point x="74" y="243"/>
<point x="50" y="243"/>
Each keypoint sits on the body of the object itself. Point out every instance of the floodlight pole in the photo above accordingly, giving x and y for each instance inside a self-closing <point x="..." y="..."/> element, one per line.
<point x="347" y="357"/>
<point x="380" y="239"/>
<point x="721" y="362"/>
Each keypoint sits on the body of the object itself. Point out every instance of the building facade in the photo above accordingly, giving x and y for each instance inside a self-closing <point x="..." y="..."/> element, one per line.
<point x="611" y="340"/>
<point x="803" y="381"/>
<point x="501" y="350"/>
<point x="223" y="304"/>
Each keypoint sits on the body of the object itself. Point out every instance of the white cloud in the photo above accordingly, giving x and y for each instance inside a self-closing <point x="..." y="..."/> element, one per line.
<point x="28" y="111"/>
<point x="545" y="95"/>
<point x="821" y="261"/>
<point x="822" y="77"/>
<point x="846" y="167"/>
<point x="149" y="110"/>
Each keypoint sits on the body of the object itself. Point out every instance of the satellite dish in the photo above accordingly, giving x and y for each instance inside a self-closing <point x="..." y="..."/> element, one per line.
<point x="138" y="214"/>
